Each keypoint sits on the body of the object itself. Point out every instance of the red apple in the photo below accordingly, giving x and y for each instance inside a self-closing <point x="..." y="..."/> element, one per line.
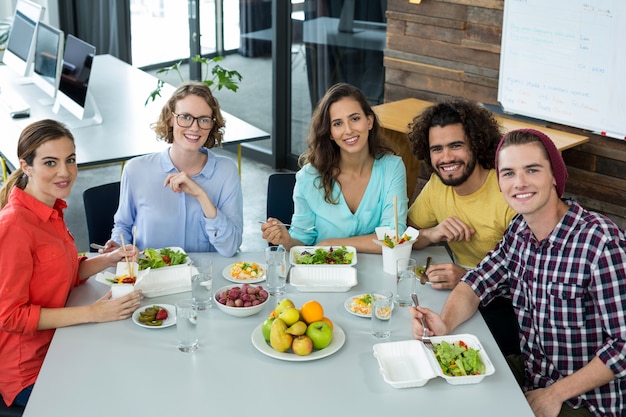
<point x="302" y="345"/>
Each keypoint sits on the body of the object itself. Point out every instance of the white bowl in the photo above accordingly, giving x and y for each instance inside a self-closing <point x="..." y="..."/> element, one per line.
<point x="239" y="311"/>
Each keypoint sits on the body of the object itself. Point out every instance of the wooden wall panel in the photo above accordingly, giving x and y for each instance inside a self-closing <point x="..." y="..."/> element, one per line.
<point x="442" y="48"/>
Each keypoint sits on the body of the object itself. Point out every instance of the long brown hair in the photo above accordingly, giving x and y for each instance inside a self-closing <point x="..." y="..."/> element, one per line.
<point x="165" y="132"/>
<point x="32" y="137"/>
<point x="323" y="153"/>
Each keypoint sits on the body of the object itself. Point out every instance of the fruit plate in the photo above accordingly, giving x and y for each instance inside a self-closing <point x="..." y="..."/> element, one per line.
<point x="339" y="338"/>
<point x="169" y="321"/>
<point x="408" y="363"/>
<point x="298" y="250"/>
<point x="227" y="276"/>
<point x="322" y="278"/>
<point x="350" y="308"/>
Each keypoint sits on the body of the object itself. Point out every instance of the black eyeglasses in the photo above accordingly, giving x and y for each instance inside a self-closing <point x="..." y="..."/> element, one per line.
<point x="186" y="120"/>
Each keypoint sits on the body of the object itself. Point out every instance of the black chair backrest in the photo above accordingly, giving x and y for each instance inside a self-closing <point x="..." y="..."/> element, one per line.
<point x="280" y="195"/>
<point x="100" y="206"/>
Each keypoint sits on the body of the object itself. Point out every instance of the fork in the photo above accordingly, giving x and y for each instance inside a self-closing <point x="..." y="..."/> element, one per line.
<point x="425" y="338"/>
<point x="306" y="229"/>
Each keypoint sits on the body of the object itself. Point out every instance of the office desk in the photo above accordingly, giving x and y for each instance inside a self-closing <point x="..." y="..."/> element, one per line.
<point x="120" y="91"/>
<point x="121" y="369"/>
<point x="396" y="116"/>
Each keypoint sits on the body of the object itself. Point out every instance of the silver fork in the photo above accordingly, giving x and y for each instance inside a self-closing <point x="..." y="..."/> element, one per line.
<point x="306" y="229"/>
<point x="425" y="337"/>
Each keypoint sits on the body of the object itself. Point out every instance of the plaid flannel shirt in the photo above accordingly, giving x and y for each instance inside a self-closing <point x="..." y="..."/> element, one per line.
<point x="569" y="293"/>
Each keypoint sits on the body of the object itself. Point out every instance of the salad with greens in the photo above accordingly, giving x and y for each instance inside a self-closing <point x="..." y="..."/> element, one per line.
<point x="322" y="256"/>
<point x="159" y="258"/>
<point x="458" y="359"/>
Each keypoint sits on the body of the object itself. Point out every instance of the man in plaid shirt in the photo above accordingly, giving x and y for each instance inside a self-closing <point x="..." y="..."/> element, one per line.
<point x="565" y="270"/>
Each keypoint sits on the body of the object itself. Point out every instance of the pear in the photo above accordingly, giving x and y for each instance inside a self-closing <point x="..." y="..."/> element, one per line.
<point x="279" y="339"/>
<point x="297" y="329"/>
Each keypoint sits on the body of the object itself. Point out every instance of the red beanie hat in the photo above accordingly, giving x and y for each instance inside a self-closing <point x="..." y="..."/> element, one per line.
<point x="559" y="170"/>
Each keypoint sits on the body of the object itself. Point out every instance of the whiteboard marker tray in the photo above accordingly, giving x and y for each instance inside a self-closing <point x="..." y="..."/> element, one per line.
<point x="322" y="278"/>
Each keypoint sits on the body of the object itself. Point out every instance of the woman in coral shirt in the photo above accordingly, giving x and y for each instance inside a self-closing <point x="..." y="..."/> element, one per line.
<point x="40" y="262"/>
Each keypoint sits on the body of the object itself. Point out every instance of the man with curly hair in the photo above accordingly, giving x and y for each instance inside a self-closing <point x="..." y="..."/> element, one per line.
<point x="461" y="203"/>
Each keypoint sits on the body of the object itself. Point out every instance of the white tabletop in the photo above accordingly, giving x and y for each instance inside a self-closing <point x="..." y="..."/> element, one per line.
<point x="120" y="91"/>
<point x="121" y="369"/>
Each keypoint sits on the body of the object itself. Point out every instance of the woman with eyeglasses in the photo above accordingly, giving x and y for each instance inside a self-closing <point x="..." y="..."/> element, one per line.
<point x="186" y="195"/>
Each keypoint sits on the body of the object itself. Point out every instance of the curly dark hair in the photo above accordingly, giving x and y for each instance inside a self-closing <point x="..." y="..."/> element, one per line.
<point x="165" y="132"/>
<point x="480" y="125"/>
<point x="323" y="153"/>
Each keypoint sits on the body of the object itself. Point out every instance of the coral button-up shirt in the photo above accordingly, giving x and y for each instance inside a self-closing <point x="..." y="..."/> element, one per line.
<point x="39" y="264"/>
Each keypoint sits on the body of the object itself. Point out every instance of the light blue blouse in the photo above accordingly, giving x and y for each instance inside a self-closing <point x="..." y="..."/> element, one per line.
<point x="165" y="218"/>
<point x="388" y="179"/>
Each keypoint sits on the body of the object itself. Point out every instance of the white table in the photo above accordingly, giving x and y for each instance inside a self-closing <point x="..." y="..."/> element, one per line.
<point x="120" y="369"/>
<point x="120" y="91"/>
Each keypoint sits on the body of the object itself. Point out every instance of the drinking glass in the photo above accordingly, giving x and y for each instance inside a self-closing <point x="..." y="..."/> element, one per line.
<point x="186" y="325"/>
<point x="382" y="304"/>
<point x="405" y="280"/>
<point x="276" y="270"/>
<point x="201" y="285"/>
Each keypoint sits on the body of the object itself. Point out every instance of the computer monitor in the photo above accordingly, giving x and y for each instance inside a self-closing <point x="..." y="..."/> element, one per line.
<point x="48" y="60"/>
<point x="19" y="51"/>
<point x="73" y="93"/>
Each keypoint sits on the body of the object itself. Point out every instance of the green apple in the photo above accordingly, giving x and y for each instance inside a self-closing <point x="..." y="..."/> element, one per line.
<point x="320" y="333"/>
<point x="289" y="315"/>
<point x="283" y="304"/>
<point x="267" y="327"/>
<point x="302" y="345"/>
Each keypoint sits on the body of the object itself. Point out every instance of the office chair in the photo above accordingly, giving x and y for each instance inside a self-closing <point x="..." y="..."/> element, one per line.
<point x="280" y="196"/>
<point x="100" y="206"/>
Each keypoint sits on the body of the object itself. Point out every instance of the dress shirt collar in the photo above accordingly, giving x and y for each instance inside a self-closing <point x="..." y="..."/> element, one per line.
<point x="562" y="230"/>
<point x="209" y="168"/>
<point x="44" y="212"/>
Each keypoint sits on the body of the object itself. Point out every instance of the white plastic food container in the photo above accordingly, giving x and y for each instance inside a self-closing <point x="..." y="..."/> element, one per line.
<point x="318" y="278"/>
<point x="409" y="363"/>
<point x="296" y="250"/>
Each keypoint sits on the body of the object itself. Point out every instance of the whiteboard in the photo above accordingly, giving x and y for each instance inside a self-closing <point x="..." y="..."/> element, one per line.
<point x="560" y="61"/>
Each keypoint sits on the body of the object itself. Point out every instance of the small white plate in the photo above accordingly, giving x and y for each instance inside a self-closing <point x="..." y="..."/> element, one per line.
<point x="169" y="321"/>
<point x="348" y="303"/>
<point x="339" y="338"/>
<point x="228" y="277"/>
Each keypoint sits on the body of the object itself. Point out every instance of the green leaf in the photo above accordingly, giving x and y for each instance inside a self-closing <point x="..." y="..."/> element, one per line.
<point x="214" y="76"/>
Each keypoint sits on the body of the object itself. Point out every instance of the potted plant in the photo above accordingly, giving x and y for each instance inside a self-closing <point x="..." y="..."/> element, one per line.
<point x="214" y="75"/>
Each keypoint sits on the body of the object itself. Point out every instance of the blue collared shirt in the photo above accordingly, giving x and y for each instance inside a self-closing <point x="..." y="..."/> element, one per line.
<point x="165" y="218"/>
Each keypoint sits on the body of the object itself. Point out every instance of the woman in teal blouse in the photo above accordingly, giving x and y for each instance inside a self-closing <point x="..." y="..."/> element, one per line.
<point x="348" y="181"/>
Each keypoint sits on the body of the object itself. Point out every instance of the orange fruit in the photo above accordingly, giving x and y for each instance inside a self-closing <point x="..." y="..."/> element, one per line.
<point x="329" y="322"/>
<point x="311" y="311"/>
